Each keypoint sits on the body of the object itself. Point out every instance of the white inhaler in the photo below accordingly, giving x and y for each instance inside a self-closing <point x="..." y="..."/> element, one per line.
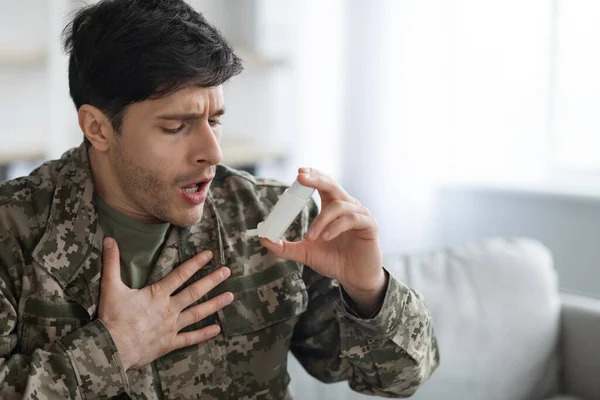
<point x="289" y="205"/>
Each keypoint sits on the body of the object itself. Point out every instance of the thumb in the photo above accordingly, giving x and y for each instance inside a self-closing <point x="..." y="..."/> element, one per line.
<point x="111" y="264"/>
<point x="294" y="251"/>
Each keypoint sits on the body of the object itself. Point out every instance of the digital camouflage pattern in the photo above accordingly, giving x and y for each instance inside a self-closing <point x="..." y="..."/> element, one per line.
<point x="52" y="346"/>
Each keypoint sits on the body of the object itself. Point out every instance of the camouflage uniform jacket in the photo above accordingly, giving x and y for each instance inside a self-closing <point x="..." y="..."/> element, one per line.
<point x="53" y="346"/>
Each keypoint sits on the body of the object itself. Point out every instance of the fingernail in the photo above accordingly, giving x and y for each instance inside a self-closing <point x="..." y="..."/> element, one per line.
<point x="208" y="255"/>
<point x="108" y="243"/>
<point x="225" y="272"/>
<point x="279" y="246"/>
<point x="228" y="298"/>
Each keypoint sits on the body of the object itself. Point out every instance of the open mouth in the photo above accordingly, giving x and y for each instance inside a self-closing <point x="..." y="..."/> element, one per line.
<point x="195" y="193"/>
<point x="193" y="188"/>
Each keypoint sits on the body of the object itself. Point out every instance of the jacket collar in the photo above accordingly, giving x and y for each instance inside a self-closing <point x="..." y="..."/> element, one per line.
<point x="71" y="247"/>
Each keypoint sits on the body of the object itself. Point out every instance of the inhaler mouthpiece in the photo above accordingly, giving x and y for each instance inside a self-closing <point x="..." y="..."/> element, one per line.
<point x="289" y="205"/>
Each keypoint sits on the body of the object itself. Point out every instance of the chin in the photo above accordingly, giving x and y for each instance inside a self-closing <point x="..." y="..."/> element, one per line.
<point x="188" y="218"/>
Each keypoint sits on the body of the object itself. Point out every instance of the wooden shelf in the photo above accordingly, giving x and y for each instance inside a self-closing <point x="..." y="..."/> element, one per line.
<point x="254" y="59"/>
<point x="234" y="154"/>
<point x="36" y="58"/>
<point x="9" y="156"/>
<point x="242" y="154"/>
<point x="22" y="57"/>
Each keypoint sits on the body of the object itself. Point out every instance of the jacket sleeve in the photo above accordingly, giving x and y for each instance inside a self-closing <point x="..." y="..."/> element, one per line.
<point x="390" y="355"/>
<point x="82" y="365"/>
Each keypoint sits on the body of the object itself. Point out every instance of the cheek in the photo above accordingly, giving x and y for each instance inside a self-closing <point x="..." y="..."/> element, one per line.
<point x="143" y="172"/>
<point x="151" y="163"/>
<point x="161" y="174"/>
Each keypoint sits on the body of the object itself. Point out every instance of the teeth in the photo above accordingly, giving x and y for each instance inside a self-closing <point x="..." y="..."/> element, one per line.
<point x="192" y="190"/>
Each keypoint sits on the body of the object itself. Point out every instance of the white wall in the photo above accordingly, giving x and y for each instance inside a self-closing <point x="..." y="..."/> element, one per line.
<point x="295" y="105"/>
<point x="23" y="89"/>
<point x="569" y="225"/>
<point x="263" y="103"/>
<point x="35" y="106"/>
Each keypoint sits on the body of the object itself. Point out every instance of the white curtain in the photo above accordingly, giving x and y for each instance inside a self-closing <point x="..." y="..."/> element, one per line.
<point x="439" y="91"/>
<point x="433" y="92"/>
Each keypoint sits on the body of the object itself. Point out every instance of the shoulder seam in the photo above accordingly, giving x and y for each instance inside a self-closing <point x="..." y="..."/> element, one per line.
<point x="10" y="198"/>
<point x="254" y="180"/>
<point x="272" y="184"/>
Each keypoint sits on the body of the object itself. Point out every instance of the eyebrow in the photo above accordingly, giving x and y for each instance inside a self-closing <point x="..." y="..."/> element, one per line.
<point x="189" y="116"/>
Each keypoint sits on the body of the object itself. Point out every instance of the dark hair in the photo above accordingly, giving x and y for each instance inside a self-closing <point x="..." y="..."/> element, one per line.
<point x="125" y="51"/>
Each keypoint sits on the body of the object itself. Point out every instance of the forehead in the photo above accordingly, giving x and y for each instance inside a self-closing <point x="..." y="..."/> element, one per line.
<point x="192" y="99"/>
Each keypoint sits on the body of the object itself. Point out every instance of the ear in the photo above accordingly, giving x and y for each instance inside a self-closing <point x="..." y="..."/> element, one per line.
<point x="95" y="126"/>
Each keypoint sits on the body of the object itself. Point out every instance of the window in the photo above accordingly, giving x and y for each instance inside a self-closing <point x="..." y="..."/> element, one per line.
<point x="575" y="109"/>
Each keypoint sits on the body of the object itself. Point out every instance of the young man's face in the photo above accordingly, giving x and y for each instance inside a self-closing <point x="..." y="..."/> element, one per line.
<point x="165" y="156"/>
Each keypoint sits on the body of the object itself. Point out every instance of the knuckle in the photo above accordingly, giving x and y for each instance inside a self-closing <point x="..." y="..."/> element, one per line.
<point x="197" y="314"/>
<point x="167" y="313"/>
<point x="195" y="293"/>
<point x="353" y="217"/>
<point x="156" y="290"/>
<point x="203" y="335"/>
<point x="182" y="273"/>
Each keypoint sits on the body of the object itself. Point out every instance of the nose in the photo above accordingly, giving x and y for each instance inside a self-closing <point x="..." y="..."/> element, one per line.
<point x="205" y="146"/>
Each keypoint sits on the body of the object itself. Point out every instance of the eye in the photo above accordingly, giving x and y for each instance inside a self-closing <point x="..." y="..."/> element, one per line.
<point x="214" y="122"/>
<point x="176" y="130"/>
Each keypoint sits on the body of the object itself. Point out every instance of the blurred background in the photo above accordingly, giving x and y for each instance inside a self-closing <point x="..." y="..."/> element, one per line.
<point x="452" y="120"/>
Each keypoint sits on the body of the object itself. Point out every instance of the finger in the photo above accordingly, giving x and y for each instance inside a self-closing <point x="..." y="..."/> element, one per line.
<point x="201" y="311"/>
<point x="295" y="251"/>
<point x="198" y="289"/>
<point x="194" y="337"/>
<point x="181" y="274"/>
<point x="328" y="189"/>
<point x="111" y="264"/>
<point x="347" y="223"/>
<point x="332" y="212"/>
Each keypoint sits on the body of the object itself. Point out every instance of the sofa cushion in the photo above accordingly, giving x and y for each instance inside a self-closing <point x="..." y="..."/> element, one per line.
<point x="496" y="309"/>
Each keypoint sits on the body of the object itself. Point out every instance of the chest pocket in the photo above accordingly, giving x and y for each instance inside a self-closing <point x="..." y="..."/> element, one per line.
<point x="258" y="327"/>
<point x="44" y="323"/>
<point x="263" y="299"/>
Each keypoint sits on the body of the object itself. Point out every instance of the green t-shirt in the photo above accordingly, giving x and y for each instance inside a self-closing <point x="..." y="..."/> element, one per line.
<point x="140" y="244"/>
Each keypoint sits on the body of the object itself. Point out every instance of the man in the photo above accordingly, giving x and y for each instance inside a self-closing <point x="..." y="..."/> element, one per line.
<point x="124" y="267"/>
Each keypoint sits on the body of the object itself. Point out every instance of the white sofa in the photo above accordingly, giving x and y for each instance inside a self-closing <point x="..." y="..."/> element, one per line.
<point x="504" y="331"/>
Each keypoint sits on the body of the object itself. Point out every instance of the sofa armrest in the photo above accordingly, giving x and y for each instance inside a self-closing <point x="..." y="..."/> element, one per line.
<point x="580" y="346"/>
